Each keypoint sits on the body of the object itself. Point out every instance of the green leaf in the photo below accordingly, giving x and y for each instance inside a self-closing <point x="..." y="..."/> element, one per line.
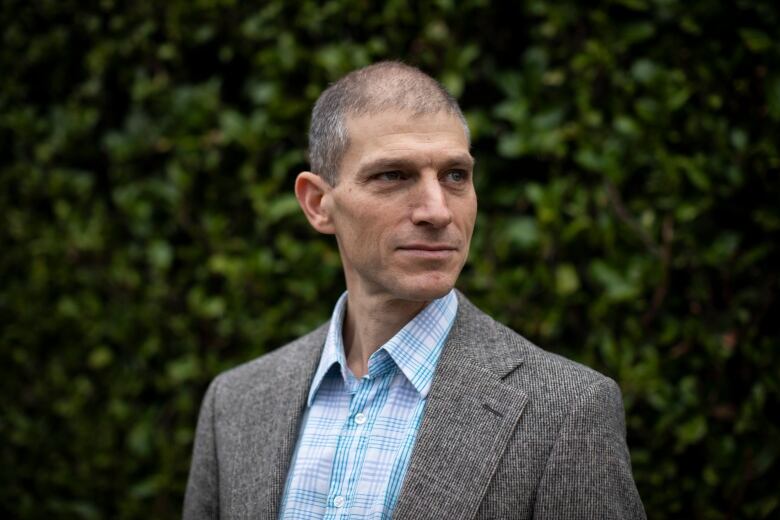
<point x="523" y="232"/>
<point x="691" y="431"/>
<point x="756" y="41"/>
<point x="566" y="279"/>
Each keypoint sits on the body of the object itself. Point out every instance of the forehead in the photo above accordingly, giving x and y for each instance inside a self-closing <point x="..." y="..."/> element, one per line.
<point x="403" y="135"/>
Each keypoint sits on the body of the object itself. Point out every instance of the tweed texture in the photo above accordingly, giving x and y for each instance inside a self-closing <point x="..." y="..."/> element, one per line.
<point x="509" y="432"/>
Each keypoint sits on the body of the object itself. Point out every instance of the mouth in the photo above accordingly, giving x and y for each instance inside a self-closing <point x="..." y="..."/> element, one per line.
<point x="430" y="251"/>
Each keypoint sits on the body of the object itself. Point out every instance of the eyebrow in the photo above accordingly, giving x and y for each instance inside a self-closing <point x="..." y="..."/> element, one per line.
<point x="389" y="163"/>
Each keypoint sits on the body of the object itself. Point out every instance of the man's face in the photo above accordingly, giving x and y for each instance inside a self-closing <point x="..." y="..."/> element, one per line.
<point x="404" y="205"/>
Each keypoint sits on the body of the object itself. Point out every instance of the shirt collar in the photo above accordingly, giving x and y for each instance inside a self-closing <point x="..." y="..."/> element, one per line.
<point x="415" y="348"/>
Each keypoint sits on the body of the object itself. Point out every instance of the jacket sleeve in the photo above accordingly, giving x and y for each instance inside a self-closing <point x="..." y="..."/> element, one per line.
<point x="588" y="474"/>
<point x="201" y="500"/>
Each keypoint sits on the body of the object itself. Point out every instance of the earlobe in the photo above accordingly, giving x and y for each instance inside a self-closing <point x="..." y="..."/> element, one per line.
<point x="312" y="192"/>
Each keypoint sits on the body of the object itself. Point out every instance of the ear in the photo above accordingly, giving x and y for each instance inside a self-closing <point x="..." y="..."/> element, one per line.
<point x="312" y="192"/>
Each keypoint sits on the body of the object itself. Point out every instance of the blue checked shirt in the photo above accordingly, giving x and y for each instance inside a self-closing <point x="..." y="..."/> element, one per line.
<point x="357" y="435"/>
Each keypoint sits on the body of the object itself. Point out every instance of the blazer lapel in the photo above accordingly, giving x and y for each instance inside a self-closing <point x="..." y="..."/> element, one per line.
<point x="269" y="427"/>
<point x="470" y="416"/>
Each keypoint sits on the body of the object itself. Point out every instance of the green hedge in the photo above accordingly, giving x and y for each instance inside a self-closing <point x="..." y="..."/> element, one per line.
<point x="628" y="184"/>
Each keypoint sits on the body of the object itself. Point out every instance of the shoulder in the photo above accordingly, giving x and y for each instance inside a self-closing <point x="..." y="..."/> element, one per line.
<point x="558" y="373"/>
<point x="564" y="388"/>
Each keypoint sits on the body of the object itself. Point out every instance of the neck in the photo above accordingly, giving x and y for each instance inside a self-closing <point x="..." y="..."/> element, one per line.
<point x="370" y="321"/>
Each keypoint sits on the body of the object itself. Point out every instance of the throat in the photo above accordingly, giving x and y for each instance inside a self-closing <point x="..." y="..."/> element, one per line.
<point x="366" y="328"/>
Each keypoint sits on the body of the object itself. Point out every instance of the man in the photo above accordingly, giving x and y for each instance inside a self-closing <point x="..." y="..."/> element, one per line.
<point x="410" y="402"/>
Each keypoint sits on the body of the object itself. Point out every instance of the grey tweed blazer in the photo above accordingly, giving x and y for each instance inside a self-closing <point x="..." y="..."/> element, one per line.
<point x="509" y="432"/>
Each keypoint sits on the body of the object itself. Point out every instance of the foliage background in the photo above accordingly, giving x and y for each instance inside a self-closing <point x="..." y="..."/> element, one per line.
<point x="628" y="182"/>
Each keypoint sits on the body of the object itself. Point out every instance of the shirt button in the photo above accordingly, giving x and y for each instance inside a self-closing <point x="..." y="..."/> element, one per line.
<point x="360" y="418"/>
<point x="338" y="501"/>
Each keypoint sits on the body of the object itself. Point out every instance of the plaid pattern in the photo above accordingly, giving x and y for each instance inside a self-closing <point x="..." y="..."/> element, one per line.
<point x="357" y="436"/>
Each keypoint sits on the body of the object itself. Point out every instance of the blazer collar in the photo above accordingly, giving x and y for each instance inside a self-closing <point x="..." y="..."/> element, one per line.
<point x="469" y="418"/>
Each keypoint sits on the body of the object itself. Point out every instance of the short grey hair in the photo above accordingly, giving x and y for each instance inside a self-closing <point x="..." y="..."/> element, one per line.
<point x="387" y="85"/>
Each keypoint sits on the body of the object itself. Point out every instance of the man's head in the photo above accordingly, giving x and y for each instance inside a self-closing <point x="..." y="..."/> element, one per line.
<point x="378" y="88"/>
<point x="402" y="204"/>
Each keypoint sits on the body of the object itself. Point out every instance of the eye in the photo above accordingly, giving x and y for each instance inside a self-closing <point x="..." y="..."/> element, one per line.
<point x="456" y="175"/>
<point x="389" y="176"/>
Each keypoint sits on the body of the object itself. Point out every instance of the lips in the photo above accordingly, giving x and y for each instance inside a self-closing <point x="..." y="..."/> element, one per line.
<point x="428" y="252"/>
<point x="428" y="247"/>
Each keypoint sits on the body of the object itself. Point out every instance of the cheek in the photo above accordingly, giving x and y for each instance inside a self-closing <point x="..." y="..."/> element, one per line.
<point x="363" y="229"/>
<point x="467" y="211"/>
<point x="373" y="217"/>
<point x="368" y="224"/>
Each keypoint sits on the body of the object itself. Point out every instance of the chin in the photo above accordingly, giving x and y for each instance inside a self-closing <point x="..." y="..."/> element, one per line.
<point x="426" y="287"/>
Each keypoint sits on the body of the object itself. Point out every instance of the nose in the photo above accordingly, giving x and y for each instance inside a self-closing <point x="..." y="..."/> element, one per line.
<point x="430" y="204"/>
